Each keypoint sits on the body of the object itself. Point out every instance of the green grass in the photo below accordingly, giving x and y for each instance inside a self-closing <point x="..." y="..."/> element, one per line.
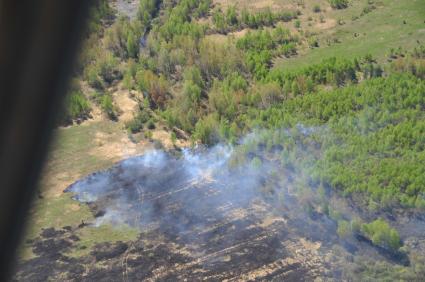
<point x="380" y="30"/>
<point x="90" y="236"/>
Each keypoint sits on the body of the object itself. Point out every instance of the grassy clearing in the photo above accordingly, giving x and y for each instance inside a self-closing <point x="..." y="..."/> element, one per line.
<point x="90" y="236"/>
<point x="393" y="24"/>
<point x="71" y="157"/>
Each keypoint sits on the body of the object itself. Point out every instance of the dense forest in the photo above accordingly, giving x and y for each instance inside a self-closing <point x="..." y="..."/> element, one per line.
<point x="357" y="126"/>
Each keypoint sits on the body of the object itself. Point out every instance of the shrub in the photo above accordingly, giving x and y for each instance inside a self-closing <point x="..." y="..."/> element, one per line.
<point x="270" y="94"/>
<point x="382" y="234"/>
<point x="92" y="78"/>
<point x="107" y="67"/>
<point x="136" y="125"/>
<point x="313" y="42"/>
<point x="339" y="4"/>
<point x="206" y="130"/>
<point x="344" y="229"/>
<point x="132" y="45"/>
<point x="155" y="87"/>
<point x="150" y="124"/>
<point x="316" y="9"/>
<point x="76" y="107"/>
<point x="173" y="138"/>
<point x="108" y="107"/>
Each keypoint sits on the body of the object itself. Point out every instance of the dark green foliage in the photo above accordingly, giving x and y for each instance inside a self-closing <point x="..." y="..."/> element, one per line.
<point x="136" y="125"/>
<point x="339" y="4"/>
<point x="150" y="124"/>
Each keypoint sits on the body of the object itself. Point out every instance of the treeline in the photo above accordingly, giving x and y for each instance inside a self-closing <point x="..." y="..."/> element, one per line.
<point x="231" y="20"/>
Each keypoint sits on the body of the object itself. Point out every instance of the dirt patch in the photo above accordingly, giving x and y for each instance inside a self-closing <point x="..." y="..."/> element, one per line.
<point x="327" y="24"/>
<point x="126" y="7"/>
<point x="113" y="147"/>
<point x="164" y="137"/>
<point x="127" y="105"/>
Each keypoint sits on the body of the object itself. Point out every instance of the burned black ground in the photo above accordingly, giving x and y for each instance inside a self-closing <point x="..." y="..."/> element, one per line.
<point x="201" y="224"/>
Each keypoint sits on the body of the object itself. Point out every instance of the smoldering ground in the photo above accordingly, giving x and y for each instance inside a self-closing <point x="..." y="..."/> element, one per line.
<point x="253" y="211"/>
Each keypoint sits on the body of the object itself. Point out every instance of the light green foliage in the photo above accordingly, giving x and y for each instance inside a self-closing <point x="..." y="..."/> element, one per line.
<point x="132" y="45"/>
<point x="376" y="146"/>
<point x="256" y="162"/>
<point x="381" y="234"/>
<point x="344" y="229"/>
<point x="231" y="20"/>
<point x="76" y="105"/>
<point x="206" y="130"/>
<point x="122" y="38"/>
<point x="173" y="138"/>
<point x="261" y="46"/>
<point x="148" y="10"/>
<point x="107" y="106"/>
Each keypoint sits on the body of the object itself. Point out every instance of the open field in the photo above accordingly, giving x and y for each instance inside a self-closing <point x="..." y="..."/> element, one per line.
<point x="76" y="152"/>
<point x="377" y="32"/>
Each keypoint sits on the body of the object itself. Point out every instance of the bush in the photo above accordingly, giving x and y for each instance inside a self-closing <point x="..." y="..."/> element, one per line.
<point x="150" y="124"/>
<point x="76" y="107"/>
<point x="270" y="94"/>
<point x="107" y="67"/>
<point x="136" y="125"/>
<point x="155" y="87"/>
<point x="339" y="4"/>
<point x="344" y="229"/>
<point x="107" y="106"/>
<point x="381" y="234"/>
<point x="92" y="78"/>
<point x="206" y="130"/>
<point x="316" y="9"/>
<point x="313" y="42"/>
